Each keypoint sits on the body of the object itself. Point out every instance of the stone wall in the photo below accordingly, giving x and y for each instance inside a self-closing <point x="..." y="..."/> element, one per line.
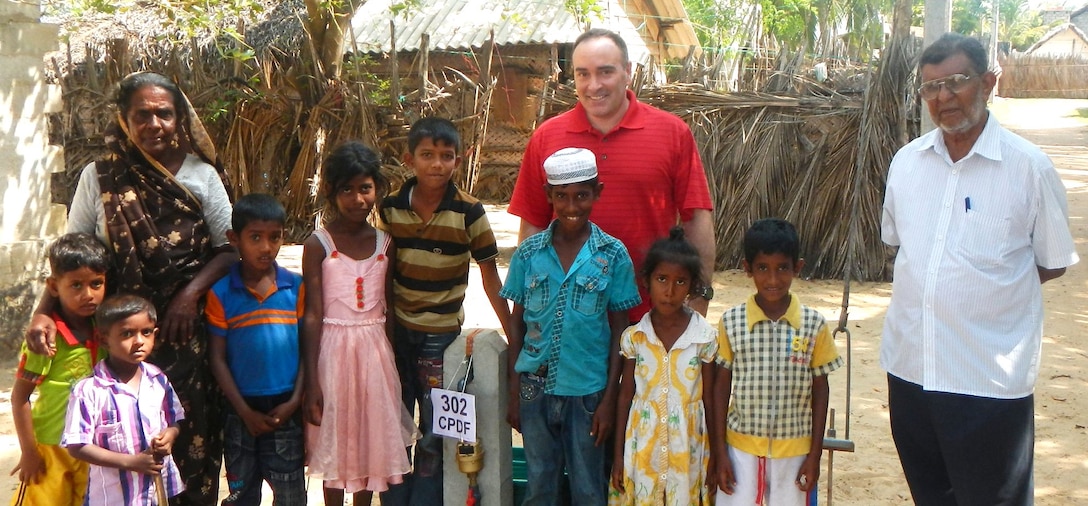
<point x="28" y="219"/>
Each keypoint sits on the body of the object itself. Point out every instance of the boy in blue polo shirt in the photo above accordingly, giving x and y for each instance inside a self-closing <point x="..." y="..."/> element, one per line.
<point x="571" y="285"/>
<point x="253" y="318"/>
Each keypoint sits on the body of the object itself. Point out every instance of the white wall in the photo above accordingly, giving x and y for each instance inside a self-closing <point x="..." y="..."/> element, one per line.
<point x="1065" y="43"/>
<point x="27" y="219"/>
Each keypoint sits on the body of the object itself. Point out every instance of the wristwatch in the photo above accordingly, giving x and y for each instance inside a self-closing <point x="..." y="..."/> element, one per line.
<point x="706" y="292"/>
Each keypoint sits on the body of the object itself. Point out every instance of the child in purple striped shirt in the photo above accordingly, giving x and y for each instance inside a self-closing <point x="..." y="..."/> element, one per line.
<point x="123" y="419"/>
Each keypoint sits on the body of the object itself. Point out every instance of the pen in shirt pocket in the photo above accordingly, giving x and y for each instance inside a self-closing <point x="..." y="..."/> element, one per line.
<point x="966" y="204"/>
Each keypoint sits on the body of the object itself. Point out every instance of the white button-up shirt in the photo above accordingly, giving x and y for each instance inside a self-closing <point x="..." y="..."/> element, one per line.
<point x="966" y="314"/>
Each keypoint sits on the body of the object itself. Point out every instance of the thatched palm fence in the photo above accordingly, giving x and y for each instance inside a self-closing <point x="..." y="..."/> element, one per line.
<point x="805" y="153"/>
<point x="794" y="158"/>
<point x="267" y="157"/>
<point x="1043" y="76"/>
<point x="269" y="139"/>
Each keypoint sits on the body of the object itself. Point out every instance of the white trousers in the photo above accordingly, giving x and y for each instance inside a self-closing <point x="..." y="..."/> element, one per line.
<point x="778" y="481"/>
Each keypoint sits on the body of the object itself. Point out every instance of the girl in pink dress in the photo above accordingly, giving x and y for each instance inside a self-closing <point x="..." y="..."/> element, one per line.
<point x="359" y="427"/>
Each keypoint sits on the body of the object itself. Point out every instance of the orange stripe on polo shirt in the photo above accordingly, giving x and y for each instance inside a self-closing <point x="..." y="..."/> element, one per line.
<point x="260" y="314"/>
<point x="292" y="320"/>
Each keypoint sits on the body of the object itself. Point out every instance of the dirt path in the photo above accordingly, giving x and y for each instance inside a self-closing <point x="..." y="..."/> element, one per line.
<point x="871" y="475"/>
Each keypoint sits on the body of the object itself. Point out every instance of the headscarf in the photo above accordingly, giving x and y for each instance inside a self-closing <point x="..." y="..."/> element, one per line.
<point x="155" y="225"/>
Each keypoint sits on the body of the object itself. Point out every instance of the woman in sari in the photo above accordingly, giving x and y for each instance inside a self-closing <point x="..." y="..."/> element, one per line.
<point x="160" y="204"/>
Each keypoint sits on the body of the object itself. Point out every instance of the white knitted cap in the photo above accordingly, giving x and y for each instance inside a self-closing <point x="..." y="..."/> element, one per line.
<point x="570" y="165"/>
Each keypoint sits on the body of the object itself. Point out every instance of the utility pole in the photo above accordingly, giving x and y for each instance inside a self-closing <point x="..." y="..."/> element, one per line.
<point x="937" y="22"/>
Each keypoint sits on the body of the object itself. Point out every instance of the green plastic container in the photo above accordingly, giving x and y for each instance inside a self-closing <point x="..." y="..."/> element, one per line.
<point x="521" y="475"/>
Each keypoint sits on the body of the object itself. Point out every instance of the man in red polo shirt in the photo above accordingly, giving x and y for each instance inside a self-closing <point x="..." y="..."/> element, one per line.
<point x="646" y="158"/>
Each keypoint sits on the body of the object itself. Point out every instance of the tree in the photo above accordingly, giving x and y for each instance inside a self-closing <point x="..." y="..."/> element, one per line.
<point x="967" y="17"/>
<point x="585" y="11"/>
<point x="864" y="27"/>
<point x="791" y="22"/>
<point x="181" y="19"/>
<point x="327" y="22"/>
<point x="716" y="21"/>
<point x="805" y="25"/>
<point x="1019" y="24"/>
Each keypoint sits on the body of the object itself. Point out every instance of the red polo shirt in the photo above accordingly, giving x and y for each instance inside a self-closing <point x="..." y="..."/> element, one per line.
<point x="650" y="168"/>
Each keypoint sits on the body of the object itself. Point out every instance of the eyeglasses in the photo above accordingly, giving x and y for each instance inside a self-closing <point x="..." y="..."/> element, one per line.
<point x="953" y="83"/>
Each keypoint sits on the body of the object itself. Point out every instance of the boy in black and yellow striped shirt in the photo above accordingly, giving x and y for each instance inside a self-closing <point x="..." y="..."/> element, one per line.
<point x="437" y="229"/>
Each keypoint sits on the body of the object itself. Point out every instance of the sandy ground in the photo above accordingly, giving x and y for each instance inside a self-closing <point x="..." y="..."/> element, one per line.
<point x="871" y="475"/>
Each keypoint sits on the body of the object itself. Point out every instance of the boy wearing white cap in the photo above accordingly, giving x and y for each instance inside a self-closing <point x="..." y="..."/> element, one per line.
<point x="571" y="286"/>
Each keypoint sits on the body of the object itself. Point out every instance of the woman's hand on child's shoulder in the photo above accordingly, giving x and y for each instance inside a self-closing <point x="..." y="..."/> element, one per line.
<point x="41" y="335"/>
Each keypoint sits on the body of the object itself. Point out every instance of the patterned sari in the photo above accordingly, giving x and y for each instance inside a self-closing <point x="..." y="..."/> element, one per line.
<point x="160" y="241"/>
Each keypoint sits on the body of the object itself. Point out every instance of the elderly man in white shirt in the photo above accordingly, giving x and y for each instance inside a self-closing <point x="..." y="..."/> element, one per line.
<point x="979" y="217"/>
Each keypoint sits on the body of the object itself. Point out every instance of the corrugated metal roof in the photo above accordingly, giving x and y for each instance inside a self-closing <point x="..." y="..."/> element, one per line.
<point x="658" y="26"/>
<point x="461" y="24"/>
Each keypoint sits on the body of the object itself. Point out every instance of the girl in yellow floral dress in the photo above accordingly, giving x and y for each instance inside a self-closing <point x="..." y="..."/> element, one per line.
<point x="662" y="452"/>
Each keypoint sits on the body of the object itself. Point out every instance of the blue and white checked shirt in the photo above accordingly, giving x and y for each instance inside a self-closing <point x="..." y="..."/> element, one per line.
<point x="566" y="313"/>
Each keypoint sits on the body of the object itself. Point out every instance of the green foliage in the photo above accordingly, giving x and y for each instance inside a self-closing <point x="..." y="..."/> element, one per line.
<point x="243" y="54"/>
<point x="864" y="30"/>
<point x="404" y="8"/>
<point x="181" y="19"/>
<point x="357" y="70"/>
<point x="809" y="25"/>
<point x="81" y="8"/>
<point x="585" y="11"/>
<point x="195" y="18"/>
<point x="1018" y="23"/>
<point x="792" y="22"/>
<point x="1026" y="36"/>
<point x="968" y="16"/>
<point x="221" y="108"/>
<point x="716" y="21"/>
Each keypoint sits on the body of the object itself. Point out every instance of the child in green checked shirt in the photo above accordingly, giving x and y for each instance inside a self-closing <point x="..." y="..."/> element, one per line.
<point x="775" y="355"/>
